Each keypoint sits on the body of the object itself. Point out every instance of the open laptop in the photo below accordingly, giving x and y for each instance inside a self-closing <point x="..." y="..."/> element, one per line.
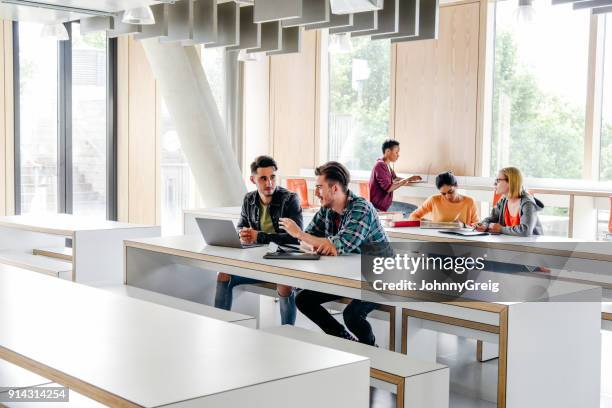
<point x="221" y="233"/>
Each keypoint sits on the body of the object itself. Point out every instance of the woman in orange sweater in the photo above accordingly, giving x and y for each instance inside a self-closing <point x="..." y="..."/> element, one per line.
<point x="449" y="205"/>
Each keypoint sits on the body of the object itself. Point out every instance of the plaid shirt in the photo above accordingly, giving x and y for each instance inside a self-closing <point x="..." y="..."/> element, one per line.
<point x="358" y="224"/>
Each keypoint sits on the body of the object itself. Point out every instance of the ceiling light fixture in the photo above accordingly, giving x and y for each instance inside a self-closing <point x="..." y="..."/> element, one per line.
<point x="57" y="31"/>
<point x="339" y="44"/>
<point x="249" y="56"/>
<point x="57" y="7"/>
<point x="525" y="13"/>
<point x="139" y="15"/>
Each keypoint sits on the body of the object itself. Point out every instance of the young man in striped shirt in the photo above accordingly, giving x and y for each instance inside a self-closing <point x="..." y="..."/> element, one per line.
<point x="343" y="224"/>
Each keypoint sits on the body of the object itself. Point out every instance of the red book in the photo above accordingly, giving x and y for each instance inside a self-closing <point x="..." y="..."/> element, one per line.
<point x="405" y="223"/>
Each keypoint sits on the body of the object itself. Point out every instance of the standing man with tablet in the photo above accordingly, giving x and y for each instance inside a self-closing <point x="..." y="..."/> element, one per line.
<point x="259" y="224"/>
<point x="343" y="224"/>
<point x="384" y="181"/>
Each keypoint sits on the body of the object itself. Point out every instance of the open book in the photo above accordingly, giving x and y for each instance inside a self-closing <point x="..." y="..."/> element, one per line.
<point x="466" y="232"/>
<point x="441" y="225"/>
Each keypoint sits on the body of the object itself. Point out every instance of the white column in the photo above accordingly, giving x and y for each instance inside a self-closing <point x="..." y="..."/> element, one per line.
<point x="186" y="91"/>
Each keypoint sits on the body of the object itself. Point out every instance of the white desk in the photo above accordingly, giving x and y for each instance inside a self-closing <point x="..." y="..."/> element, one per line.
<point x="580" y="197"/>
<point x="118" y="350"/>
<point x="528" y="369"/>
<point x="587" y="262"/>
<point x="97" y="245"/>
<point x="547" y="245"/>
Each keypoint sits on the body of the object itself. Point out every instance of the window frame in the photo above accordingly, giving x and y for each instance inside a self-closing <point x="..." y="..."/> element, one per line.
<point x="64" y="123"/>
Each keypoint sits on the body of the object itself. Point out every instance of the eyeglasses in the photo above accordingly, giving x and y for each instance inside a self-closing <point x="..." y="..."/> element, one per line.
<point x="497" y="180"/>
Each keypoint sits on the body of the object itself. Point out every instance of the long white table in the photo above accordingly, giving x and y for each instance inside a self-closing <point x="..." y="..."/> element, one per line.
<point x="527" y="369"/>
<point x="587" y="262"/>
<point x="580" y="197"/>
<point x="94" y="257"/>
<point x="129" y="353"/>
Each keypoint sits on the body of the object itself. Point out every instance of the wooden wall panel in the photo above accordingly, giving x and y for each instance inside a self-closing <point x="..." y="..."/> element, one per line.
<point x="436" y="95"/>
<point x="3" y="151"/>
<point x="138" y="145"/>
<point x="7" y="171"/>
<point x="123" y="58"/>
<point x="292" y="107"/>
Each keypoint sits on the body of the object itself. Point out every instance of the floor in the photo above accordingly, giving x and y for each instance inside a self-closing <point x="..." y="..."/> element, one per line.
<point x="467" y="374"/>
<point x="459" y="354"/>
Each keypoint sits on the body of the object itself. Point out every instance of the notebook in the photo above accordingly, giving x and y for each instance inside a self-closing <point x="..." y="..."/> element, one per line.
<point x="466" y="232"/>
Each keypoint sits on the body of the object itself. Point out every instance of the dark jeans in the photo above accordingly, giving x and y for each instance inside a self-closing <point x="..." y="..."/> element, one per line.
<point x="224" y="298"/>
<point x="309" y="303"/>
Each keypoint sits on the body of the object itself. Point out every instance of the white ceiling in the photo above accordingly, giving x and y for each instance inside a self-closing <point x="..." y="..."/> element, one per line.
<point x="41" y="15"/>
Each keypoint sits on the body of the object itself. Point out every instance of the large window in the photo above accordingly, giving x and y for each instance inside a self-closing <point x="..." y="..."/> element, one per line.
<point x="37" y="122"/>
<point x="539" y="89"/>
<point x="179" y="190"/>
<point x="605" y="167"/>
<point x="359" y="71"/>
<point x="62" y="130"/>
<point x="89" y="122"/>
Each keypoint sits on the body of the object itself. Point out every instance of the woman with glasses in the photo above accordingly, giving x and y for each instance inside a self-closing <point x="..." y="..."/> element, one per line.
<point x="449" y="205"/>
<point x="516" y="213"/>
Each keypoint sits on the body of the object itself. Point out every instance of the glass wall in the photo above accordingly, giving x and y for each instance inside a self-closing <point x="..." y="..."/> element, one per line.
<point x="359" y="72"/>
<point x="605" y="166"/>
<point x="539" y="90"/>
<point x="38" y="120"/>
<point x="89" y="91"/>
<point x="55" y="126"/>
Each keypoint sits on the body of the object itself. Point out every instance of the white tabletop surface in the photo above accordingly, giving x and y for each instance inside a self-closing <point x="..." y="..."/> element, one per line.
<point x="345" y="266"/>
<point x="399" y="364"/>
<point x="62" y="223"/>
<point x="17" y="377"/>
<point x="411" y="233"/>
<point x="148" y="354"/>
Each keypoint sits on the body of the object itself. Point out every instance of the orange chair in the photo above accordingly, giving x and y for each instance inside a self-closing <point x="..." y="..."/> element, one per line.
<point x="300" y="187"/>
<point x="610" y="220"/>
<point x="496" y="198"/>
<point x="364" y="190"/>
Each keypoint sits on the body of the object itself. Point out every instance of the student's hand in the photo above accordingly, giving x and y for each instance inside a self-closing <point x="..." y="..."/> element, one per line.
<point x="327" y="248"/>
<point x="248" y="236"/>
<point x="290" y="227"/>
<point x="495" y="228"/>
<point x="480" y="227"/>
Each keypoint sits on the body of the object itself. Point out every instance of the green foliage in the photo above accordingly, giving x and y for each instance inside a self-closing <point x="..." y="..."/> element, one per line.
<point x="546" y="132"/>
<point x="367" y="102"/>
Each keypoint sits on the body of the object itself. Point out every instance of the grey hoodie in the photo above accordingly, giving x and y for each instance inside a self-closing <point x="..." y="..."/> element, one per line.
<point x="530" y="224"/>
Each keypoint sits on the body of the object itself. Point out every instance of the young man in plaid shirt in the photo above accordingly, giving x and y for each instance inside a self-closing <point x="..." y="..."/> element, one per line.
<point x="343" y="224"/>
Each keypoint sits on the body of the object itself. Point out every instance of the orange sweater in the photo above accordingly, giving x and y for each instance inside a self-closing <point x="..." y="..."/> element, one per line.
<point x="442" y="210"/>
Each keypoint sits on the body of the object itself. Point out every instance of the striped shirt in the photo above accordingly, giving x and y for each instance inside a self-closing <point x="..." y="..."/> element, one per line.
<point x="358" y="224"/>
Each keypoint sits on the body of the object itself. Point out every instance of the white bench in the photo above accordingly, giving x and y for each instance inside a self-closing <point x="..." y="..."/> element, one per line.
<point x="606" y="316"/>
<point x="37" y="263"/>
<point x="184" y="305"/>
<point x="75" y="400"/>
<point x="17" y="378"/>
<point x="14" y="376"/>
<point x="63" y="253"/>
<point x="382" y="312"/>
<point x="417" y="384"/>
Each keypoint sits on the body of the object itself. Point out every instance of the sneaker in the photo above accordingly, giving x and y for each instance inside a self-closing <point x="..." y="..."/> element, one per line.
<point x="347" y="336"/>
